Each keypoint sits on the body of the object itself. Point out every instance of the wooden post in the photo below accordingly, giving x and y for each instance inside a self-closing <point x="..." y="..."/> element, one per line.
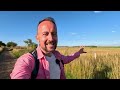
<point x="95" y="55"/>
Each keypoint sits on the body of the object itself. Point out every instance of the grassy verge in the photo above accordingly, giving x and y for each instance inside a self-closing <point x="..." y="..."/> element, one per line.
<point x="1" y="49"/>
<point x="16" y="53"/>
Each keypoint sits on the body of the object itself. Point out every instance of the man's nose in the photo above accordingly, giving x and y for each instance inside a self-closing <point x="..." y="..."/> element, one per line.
<point x="50" y="37"/>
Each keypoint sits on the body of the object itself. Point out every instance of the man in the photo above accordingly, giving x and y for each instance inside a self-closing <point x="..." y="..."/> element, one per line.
<point x="46" y="54"/>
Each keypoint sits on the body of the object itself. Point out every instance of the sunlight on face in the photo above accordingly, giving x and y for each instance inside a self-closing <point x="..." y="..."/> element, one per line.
<point x="47" y="36"/>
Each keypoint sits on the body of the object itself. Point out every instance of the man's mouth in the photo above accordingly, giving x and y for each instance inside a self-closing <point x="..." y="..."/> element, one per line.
<point x="50" y="43"/>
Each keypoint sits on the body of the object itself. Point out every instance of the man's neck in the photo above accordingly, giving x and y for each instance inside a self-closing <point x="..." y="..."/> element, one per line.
<point x="46" y="53"/>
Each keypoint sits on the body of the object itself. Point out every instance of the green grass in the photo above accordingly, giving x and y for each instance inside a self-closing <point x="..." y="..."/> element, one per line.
<point x="16" y="53"/>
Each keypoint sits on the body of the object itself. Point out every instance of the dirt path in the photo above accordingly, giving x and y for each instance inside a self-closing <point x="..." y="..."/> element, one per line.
<point x="6" y="64"/>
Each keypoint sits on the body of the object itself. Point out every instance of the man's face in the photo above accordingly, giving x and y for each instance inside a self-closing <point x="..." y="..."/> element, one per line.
<point x="47" y="36"/>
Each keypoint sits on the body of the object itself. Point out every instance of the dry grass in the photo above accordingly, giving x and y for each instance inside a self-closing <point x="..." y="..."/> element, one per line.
<point x="105" y="65"/>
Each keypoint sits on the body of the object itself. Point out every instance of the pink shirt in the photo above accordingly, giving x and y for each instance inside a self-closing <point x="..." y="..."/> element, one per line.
<point x="25" y="64"/>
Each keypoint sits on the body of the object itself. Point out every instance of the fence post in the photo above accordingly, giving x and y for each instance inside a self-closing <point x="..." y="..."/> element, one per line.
<point x="95" y="55"/>
<point x="106" y="54"/>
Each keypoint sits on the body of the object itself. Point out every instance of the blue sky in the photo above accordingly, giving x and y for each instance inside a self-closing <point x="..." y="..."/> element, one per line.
<point x="75" y="28"/>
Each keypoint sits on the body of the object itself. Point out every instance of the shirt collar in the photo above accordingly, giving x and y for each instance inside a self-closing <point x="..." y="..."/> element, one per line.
<point x="39" y="52"/>
<point x="41" y="55"/>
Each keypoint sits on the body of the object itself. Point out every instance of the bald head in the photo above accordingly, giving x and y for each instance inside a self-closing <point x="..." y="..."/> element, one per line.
<point x="46" y="24"/>
<point x="45" y="21"/>
<point x="47" y="36"/>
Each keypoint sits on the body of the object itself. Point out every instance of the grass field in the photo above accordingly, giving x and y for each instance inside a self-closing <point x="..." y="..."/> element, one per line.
<point x="97" y="63"/>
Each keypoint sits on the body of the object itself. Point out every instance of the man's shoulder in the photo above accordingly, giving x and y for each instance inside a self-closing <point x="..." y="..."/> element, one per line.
<point x="56" y="52"/>
<point x="27" y="58"/>
<point x="26" y="55"/>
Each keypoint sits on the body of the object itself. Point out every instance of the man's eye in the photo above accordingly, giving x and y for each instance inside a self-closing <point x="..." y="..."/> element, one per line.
<point x="45" y="34"/>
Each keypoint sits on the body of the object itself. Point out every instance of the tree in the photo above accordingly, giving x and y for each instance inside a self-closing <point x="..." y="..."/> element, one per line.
<point x="2" y="44"/>
<point x="30" y="43"/>
<point x="34" y="45"/>
<point x="11" y="44"/>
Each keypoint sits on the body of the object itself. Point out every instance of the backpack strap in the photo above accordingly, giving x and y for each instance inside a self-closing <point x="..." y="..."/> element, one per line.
<point x="36" y="67"/>
<point x="58" y="62"/>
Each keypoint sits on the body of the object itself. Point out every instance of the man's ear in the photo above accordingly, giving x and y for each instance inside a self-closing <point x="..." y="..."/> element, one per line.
<point x="37" y="38"/>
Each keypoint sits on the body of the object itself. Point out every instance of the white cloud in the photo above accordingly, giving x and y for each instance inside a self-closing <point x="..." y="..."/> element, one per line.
<point x="113" y="31"/>
<point x="97" y="11"/>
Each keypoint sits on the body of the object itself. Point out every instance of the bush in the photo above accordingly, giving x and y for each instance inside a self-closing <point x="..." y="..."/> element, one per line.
<point x="2" y="44"/>
<point x="11" y="44"/>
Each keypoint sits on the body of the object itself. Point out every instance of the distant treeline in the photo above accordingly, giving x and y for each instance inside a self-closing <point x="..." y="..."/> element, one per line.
<point x="94" y="46"/>
<point x="79" y="46"/>
<point x="28" y="42"/>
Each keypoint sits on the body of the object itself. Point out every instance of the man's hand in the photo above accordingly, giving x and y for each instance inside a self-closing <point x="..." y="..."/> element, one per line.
<point x="82" y="50"/>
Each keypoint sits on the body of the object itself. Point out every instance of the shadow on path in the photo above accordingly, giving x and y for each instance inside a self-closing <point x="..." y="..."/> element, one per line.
<point x="6" y="64"/>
